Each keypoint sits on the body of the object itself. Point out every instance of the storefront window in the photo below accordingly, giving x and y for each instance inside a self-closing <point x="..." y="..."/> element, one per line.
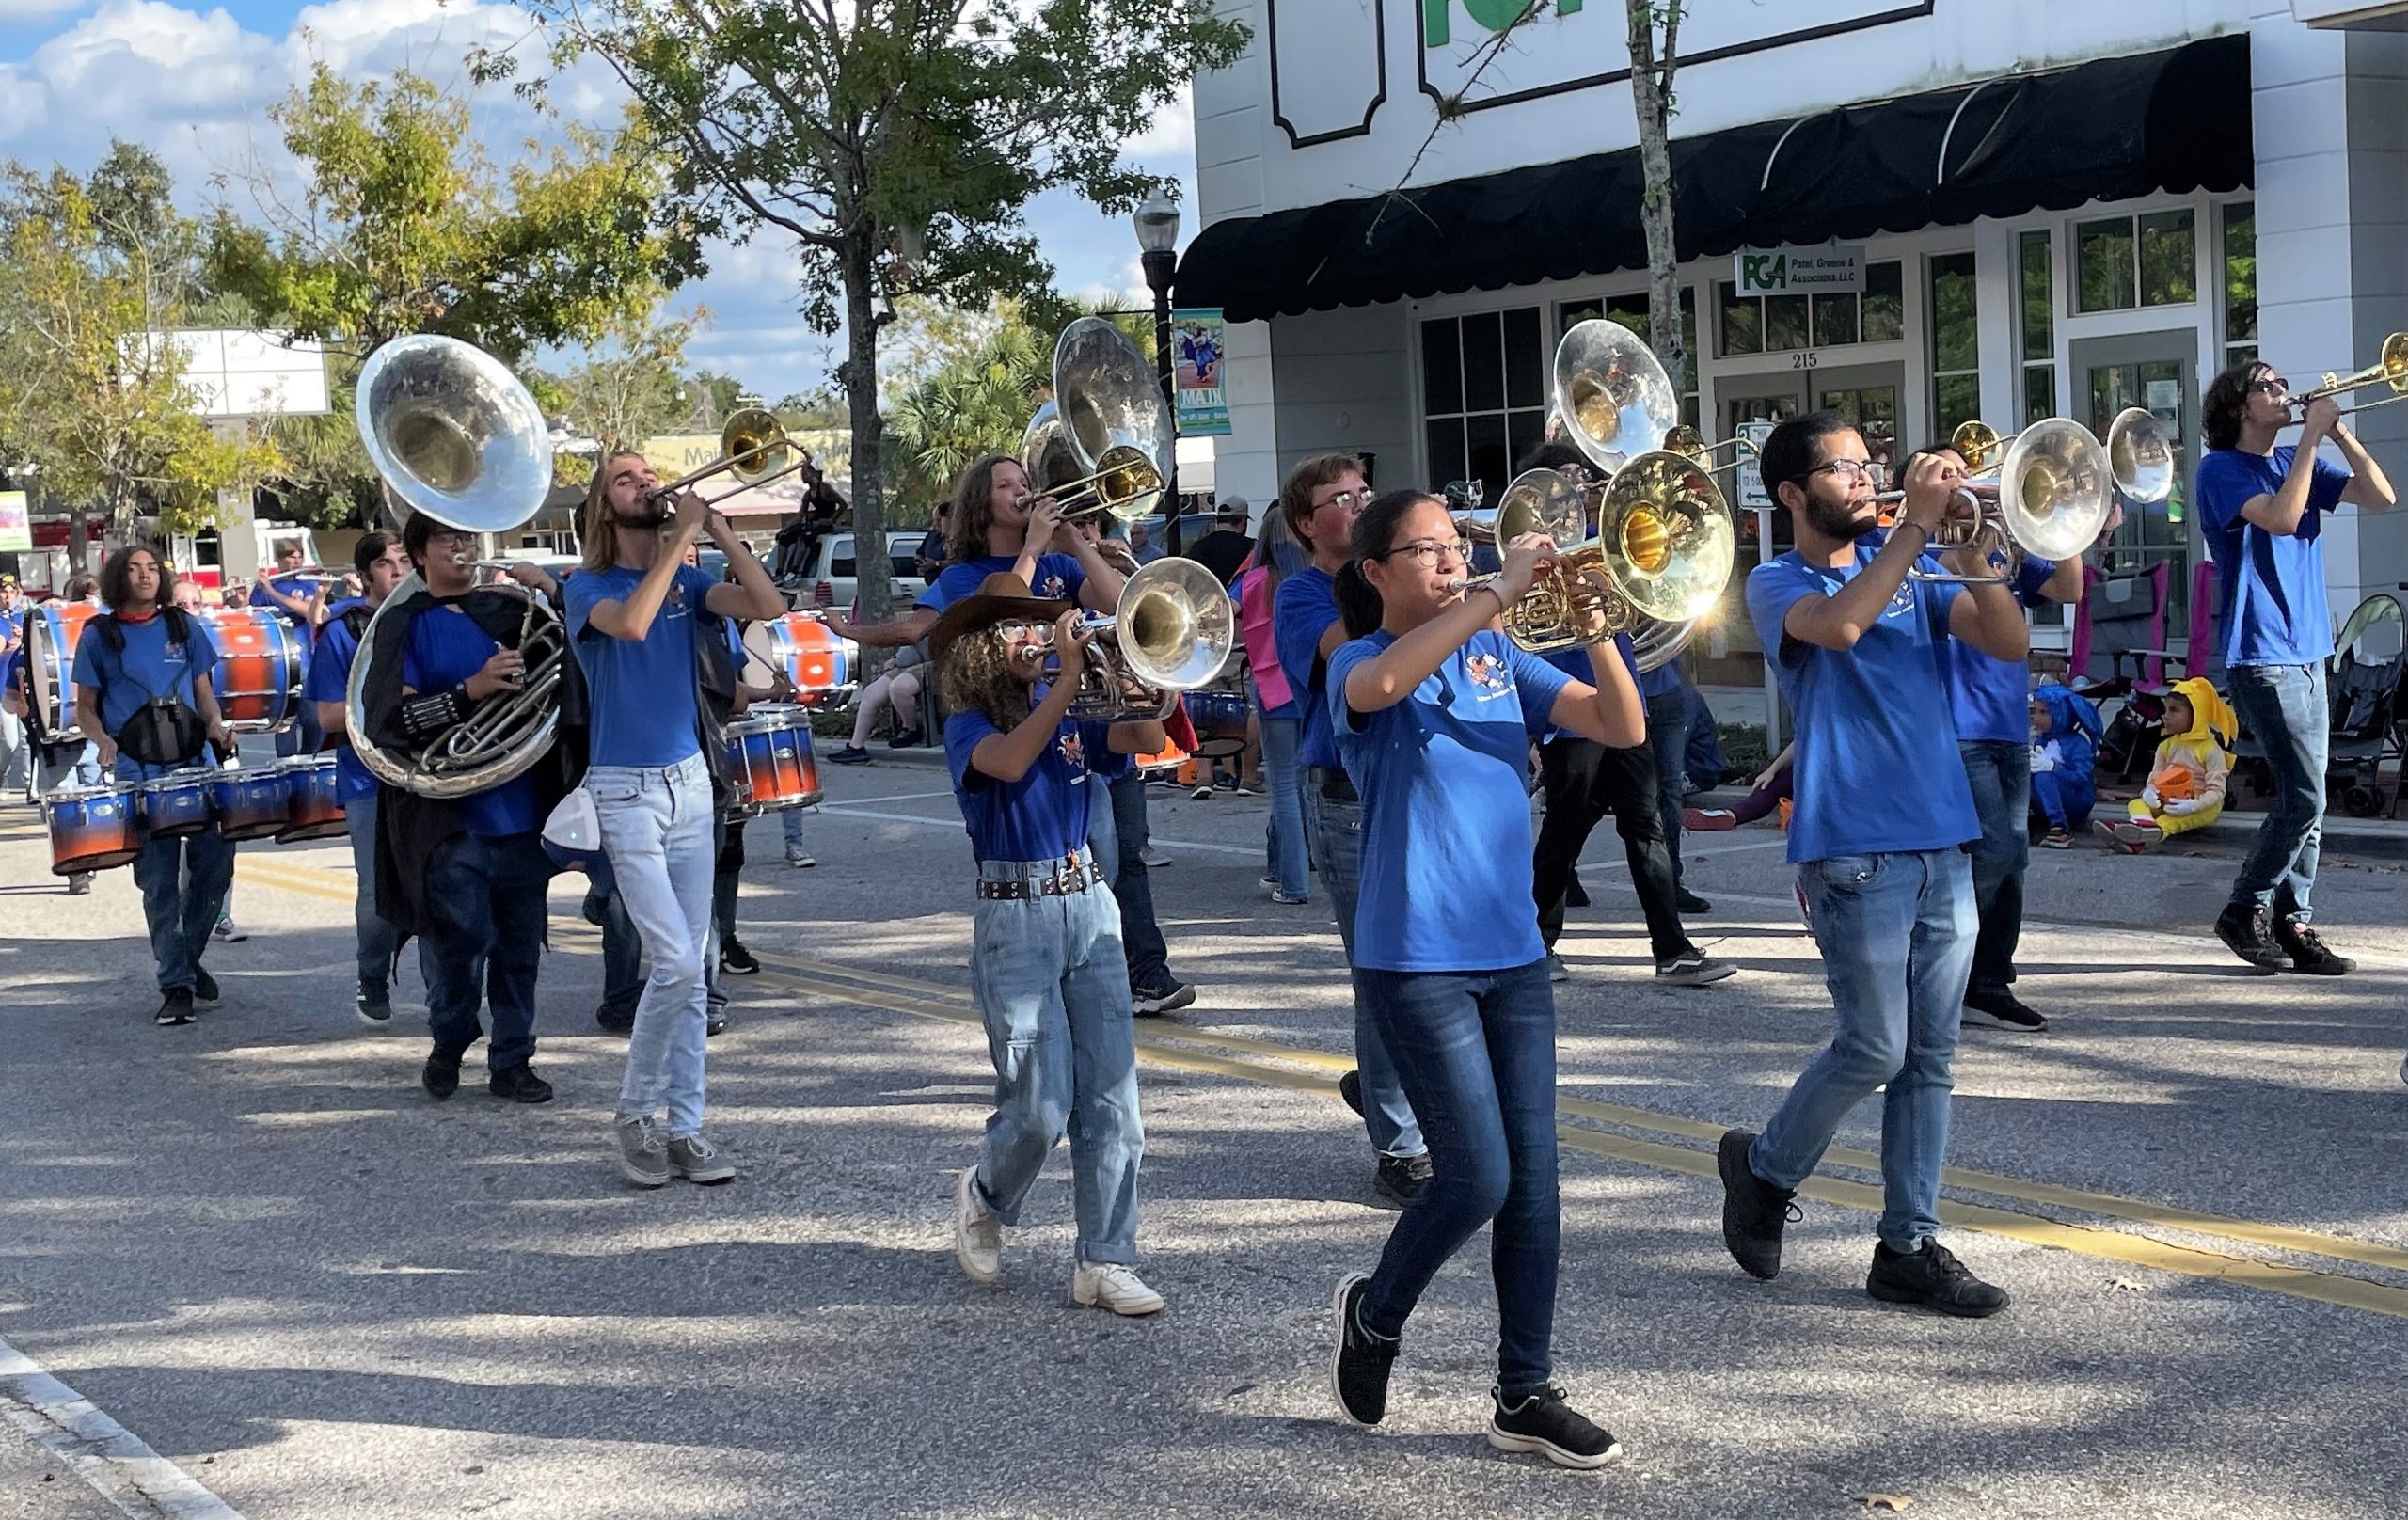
<point x="1955" y="343"/>
<point x="1743" y="320"/>
<point x="2126" y="261"/>
<point x="1484" y="380"/>
<point x="2240" y="281"/>
<point x="1782" y="324"/>
<point x="2036" y="324"/>
<point x="1885" y="303"/>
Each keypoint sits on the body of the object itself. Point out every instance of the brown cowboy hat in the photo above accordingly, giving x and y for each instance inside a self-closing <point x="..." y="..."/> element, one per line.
<point x="1000" y="596"/>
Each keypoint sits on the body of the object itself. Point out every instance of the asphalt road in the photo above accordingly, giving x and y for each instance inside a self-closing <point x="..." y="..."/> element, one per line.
<point x="258" y="1247"/>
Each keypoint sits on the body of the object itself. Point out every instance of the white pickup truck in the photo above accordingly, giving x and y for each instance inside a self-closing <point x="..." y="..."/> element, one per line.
<point x="829" y="580"/>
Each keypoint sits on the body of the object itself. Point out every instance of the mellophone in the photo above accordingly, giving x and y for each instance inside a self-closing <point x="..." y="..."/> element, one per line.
<point x="100" y="828"/>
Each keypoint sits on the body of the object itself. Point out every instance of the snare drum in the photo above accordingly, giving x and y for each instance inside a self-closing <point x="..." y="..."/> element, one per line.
<point x="313" y="798"/>
<point x="1220" y="719"/>
<point x="769" y="762"/>
<point x="251" y="804"/>
<point x="91" y="828"/>
<point x="172" y="806"/>
<point x="260" y="667"/>
<point x="52" y="631"/>
<point x="807" y="652"/>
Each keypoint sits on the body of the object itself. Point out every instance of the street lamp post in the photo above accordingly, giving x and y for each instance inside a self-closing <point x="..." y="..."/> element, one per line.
<point x="1157" y="224"/>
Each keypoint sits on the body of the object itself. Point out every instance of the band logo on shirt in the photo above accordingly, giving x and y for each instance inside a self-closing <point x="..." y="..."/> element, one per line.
<point x="1489" y="677"/>
<point x="1074" y="753"/>
<point x="1902" y="601"/>
<point x="1053" y="588"/>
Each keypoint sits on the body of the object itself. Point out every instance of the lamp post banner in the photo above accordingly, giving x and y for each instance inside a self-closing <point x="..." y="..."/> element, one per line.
<point x="16" y="526"/>
<point x="1199" y="343"/>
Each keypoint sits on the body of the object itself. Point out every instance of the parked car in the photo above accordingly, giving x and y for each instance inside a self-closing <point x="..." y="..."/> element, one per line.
<point x="830" y="580"/>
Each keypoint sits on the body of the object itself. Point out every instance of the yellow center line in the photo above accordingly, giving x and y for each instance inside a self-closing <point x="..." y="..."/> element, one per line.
<point x="1171" y="1046"/>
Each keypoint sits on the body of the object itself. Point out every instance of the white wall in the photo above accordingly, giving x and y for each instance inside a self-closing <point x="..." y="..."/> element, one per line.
<point x="1344" y="386"/>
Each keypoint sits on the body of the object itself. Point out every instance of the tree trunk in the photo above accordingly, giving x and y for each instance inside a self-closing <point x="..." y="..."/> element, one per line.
<point x="1651" y="86"/>
<point x="860" y="392"/>
<point x="79" y="523"/>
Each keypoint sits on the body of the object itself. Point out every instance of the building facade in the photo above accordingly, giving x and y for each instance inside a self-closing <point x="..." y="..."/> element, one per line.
<point x="2054" y="208"/>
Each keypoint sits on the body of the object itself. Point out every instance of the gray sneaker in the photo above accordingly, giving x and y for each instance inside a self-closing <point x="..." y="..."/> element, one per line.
<point x="1692" y="968"/>
<point x="697" y="1160"/>
<point x="643" y="1155"/>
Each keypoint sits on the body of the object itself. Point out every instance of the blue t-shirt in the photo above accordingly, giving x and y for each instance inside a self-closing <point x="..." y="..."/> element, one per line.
<point x="1573" y="662"/>
<point x="151" y="665"/>
<point x="446" y="647"/>
<point x="1992" y="698"/>
<point x="11" y="623"/>
<point x="1876" y="768"/>
<point x="2270" y="589"/>
<point x="1059" y="579"/>
<point x="1042" y="817"/>
<point x="330" y="681"/>
<point x="1301" y="613"/>
<point x="1445" y="813"/>
<point x="290" y="586"/>
<point x="646" y="709"/>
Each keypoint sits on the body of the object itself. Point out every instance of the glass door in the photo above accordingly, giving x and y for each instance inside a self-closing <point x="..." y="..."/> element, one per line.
<point x="2155" y="371"/>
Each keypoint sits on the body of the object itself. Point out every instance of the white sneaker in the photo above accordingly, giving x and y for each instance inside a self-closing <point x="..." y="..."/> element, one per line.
<point x="1152" y="859"/>
<point x="1111" y="1286"/>
<point x="1201" y="794"/>
<point x="977" y="1234"/>
<point x="228" y="932"/>
<point x="799" y="857"/>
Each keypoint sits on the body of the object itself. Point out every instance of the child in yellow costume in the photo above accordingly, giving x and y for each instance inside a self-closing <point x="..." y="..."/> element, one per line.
<point x="2186" y="780"/>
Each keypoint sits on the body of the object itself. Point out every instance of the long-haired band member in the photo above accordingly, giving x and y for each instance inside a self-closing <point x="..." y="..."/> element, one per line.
<point x="466" y="875"/>
<point x="1434" y="710"/>
<point x="1859" y="646"/>
<point x="144" y="688"/>
<point x="1045" y="960"/>
<point x="633" y="624"/>
<point x="300" y="601"/>
<point x="382" y="564"/>
<point x="1321" y="501"/>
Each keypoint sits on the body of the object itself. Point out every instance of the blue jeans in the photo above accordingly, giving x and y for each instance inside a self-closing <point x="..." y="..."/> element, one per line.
<point x="183" y="882"/>
<point x="1054" y="990"/>
<point x="483" y="939"/>
<point x="656" y="829"/>
<point x="2000" y="773"/>
<point x="2283" y="707"/>
<point x="68" y="765"/>
<point x="1668" y="739"/>
<point x="1117" y="832"/>
<point x="1289" y="857"/>
<point x="1896" y="933"/>
<point x="1477" y="1054"/>
<point x="301" y="737"/>
<point x="380" y="943"/>
<point x="790" y="824"/>
<point x="621" y="947"/>
<point x="1338" y="849"/>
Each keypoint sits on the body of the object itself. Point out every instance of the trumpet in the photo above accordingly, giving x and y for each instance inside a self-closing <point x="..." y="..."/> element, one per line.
<point x="2054" y="488"/>
<point x="2390" y="368"/>
<point x="1172" y="632"/>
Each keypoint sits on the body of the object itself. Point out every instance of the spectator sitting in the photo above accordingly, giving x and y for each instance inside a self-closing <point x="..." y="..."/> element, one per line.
<point x="1142" y="545"/>
<point x="1769" y="790"/>
<point x="2186" y="780"/>
<point x="2064" y="752"/>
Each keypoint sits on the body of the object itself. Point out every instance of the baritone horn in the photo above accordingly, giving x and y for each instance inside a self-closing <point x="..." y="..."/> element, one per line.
<point x="1103" y="442"/>
<point x="1172" y="632"/>
<point x="1616" y="399"/>
<point x="456" y="436"/>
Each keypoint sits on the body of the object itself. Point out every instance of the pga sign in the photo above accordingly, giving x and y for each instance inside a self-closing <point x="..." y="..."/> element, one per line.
<point x="1832" y="269"/>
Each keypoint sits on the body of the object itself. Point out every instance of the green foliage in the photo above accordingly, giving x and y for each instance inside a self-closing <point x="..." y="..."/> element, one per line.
<point x="631" y="386"/>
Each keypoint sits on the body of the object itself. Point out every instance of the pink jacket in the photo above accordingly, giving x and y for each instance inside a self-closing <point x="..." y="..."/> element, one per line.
<point x="1261" y="652"/>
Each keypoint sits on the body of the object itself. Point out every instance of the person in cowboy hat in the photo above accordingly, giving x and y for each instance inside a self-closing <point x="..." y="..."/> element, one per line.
<point x="1046" y="962"/>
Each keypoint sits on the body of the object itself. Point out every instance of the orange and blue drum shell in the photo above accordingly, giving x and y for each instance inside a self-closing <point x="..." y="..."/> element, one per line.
<point x="807" y="652"/>
<point x="313" y="796"/>
<point x="251" y="804"/>
<point x="91" y="828"/>
<point x="769" y="760"/>
<point x="170" y="807"/>
<point x="52" y="632"/>
<point x="1220" y="719"/>
<point x="260" y="667"/>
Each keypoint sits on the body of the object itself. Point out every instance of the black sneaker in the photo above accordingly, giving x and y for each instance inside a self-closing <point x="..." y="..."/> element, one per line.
<point x="374" y="1003"/>
<point x="441" y="1073"/>
<point x="1931" y="1277"/>
<point x="1358" y="1367"/>
<point x="735" y="961"/>
<point x="518" y="1083"/>
<point x="2245" y="932"/>
<point x="175" y="1009"/>
<point x="849" y="755"/>
<point x="714" y="1022"/>
<point x="1402" y="1180"/>
<point x="1754" y="1212"/>
<point x="1349" y="1088"/>
<point x="2004" y="1009"/>
<point x="2309" y="954"/>
<point x="1154" y="1001"/>
<point x="1541" y="1421"/>
<point x="910" y="739"/>
<point x="615" y="1021"/>
<point x="1692" y="968"/>
<point x="204" y="987"/>
<point x="1690" y="902"/>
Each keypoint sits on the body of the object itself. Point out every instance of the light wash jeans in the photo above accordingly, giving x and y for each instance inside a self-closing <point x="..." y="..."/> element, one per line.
<point x="1338" y="849"/>
<point x="1896" y="933"/>
<point x="656" y="831"/>
<point x="1289" y="857"/>
<point x="790" y="823"/>
<point x="16" y="753"/>
<point x="380" y="943"/>
<point x="2283" y="707"/>
<point x="183" y="880"/>
<point x="68" y="765"/>
<point x="1117" y="832"/>
<point x="1053" y="989"/>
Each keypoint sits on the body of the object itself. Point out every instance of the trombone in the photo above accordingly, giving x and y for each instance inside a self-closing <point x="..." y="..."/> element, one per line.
<point x="752" y="447"/>
<point x="2390" y="368"/>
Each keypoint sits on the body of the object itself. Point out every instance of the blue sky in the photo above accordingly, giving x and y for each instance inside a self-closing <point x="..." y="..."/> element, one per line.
<point x="192" y="81"/>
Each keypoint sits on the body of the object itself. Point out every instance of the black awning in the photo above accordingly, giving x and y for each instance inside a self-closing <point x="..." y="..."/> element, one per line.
<point x="2175" y="121"/>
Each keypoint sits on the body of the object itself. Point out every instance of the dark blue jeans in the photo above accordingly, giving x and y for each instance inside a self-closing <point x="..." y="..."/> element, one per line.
<point x="2283" y="707"/>
<point x="2001" y="774"/>
<point x="1668" y="737"/>
<point x="1117" y="832"/>
<point x="1476" y="1051"/>
<point x="484" y="934"/>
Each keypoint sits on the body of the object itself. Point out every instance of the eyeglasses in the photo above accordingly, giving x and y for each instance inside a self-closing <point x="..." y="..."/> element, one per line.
<point x="1346" y="500"/>
<point x="449" y="535"/>
<point x="1848" y="471"/>
<point x="1026" y="631"/>
<point x="2273" y="386"/>
<point x="1429" y="550"/>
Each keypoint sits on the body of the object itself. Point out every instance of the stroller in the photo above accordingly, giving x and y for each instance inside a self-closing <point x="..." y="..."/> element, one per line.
<point x="2361" y="692"/>
<point x="2128" y="744"/>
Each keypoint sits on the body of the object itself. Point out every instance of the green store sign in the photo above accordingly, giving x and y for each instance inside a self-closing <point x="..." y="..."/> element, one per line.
<point x="1437" y="16"/>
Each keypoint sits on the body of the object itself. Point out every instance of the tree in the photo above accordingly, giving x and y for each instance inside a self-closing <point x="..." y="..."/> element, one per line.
<point x="94" y="273"/>
<point x="630" y="385"/>
<point x="977" y="403"/>
<point x="1652" y="64"/>
<point x="896" y="143"/>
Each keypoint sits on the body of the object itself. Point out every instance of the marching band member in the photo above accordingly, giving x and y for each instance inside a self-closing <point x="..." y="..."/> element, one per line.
<point x="1884" y="874"/>
<point x="13" y="746"/>
<point x="144" y="691"/>
<point x="1045" y="959"/>
<point x="466" y="875"/>
<point x="303" y="604"/>
<point x="632" y="624"/>
<point x="1322" y="500"/>
<point x="382" y="565"/>
<point x="1433" y="710"/>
